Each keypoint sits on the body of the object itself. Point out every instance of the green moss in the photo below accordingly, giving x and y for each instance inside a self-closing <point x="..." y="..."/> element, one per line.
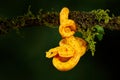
<point x="90" y="34"/>
<point x="101" y="15"/>
<point x="29" y="14"/>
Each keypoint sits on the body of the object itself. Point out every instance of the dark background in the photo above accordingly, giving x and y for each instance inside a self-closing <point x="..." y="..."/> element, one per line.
<point x="22" y="52"/>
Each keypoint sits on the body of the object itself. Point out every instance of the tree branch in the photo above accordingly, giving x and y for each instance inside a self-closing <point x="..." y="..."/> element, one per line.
<point x="83" y="20"/>
<point x="89" y="24"/>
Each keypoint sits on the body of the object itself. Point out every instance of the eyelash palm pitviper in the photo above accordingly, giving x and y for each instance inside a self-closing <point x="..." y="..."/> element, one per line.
<point x="71" y="48"/>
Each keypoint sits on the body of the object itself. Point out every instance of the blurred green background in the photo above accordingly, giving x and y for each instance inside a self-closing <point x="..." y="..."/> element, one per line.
<point x="22" y="53"/>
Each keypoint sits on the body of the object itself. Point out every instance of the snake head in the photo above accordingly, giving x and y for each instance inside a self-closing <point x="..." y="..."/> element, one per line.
<point x="52" y="52"/>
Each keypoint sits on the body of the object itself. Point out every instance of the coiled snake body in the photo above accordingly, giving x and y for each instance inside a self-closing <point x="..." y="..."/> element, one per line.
<point x="70" y="49"/>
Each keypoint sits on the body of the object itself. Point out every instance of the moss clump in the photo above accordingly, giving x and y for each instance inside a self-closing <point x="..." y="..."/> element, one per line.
<point x="101" y="14"/>
<point x="89" y="35"/>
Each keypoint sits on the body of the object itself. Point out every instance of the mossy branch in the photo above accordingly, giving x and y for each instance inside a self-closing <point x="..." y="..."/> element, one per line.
<point x="90" y="24"/>
<point x="51" y="19"/>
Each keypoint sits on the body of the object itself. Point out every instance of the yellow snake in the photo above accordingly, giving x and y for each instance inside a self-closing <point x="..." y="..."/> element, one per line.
<point x="70" y="49"/>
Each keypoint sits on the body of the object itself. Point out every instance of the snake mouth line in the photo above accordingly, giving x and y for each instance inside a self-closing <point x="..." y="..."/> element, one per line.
<point x="63" y="59"/>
